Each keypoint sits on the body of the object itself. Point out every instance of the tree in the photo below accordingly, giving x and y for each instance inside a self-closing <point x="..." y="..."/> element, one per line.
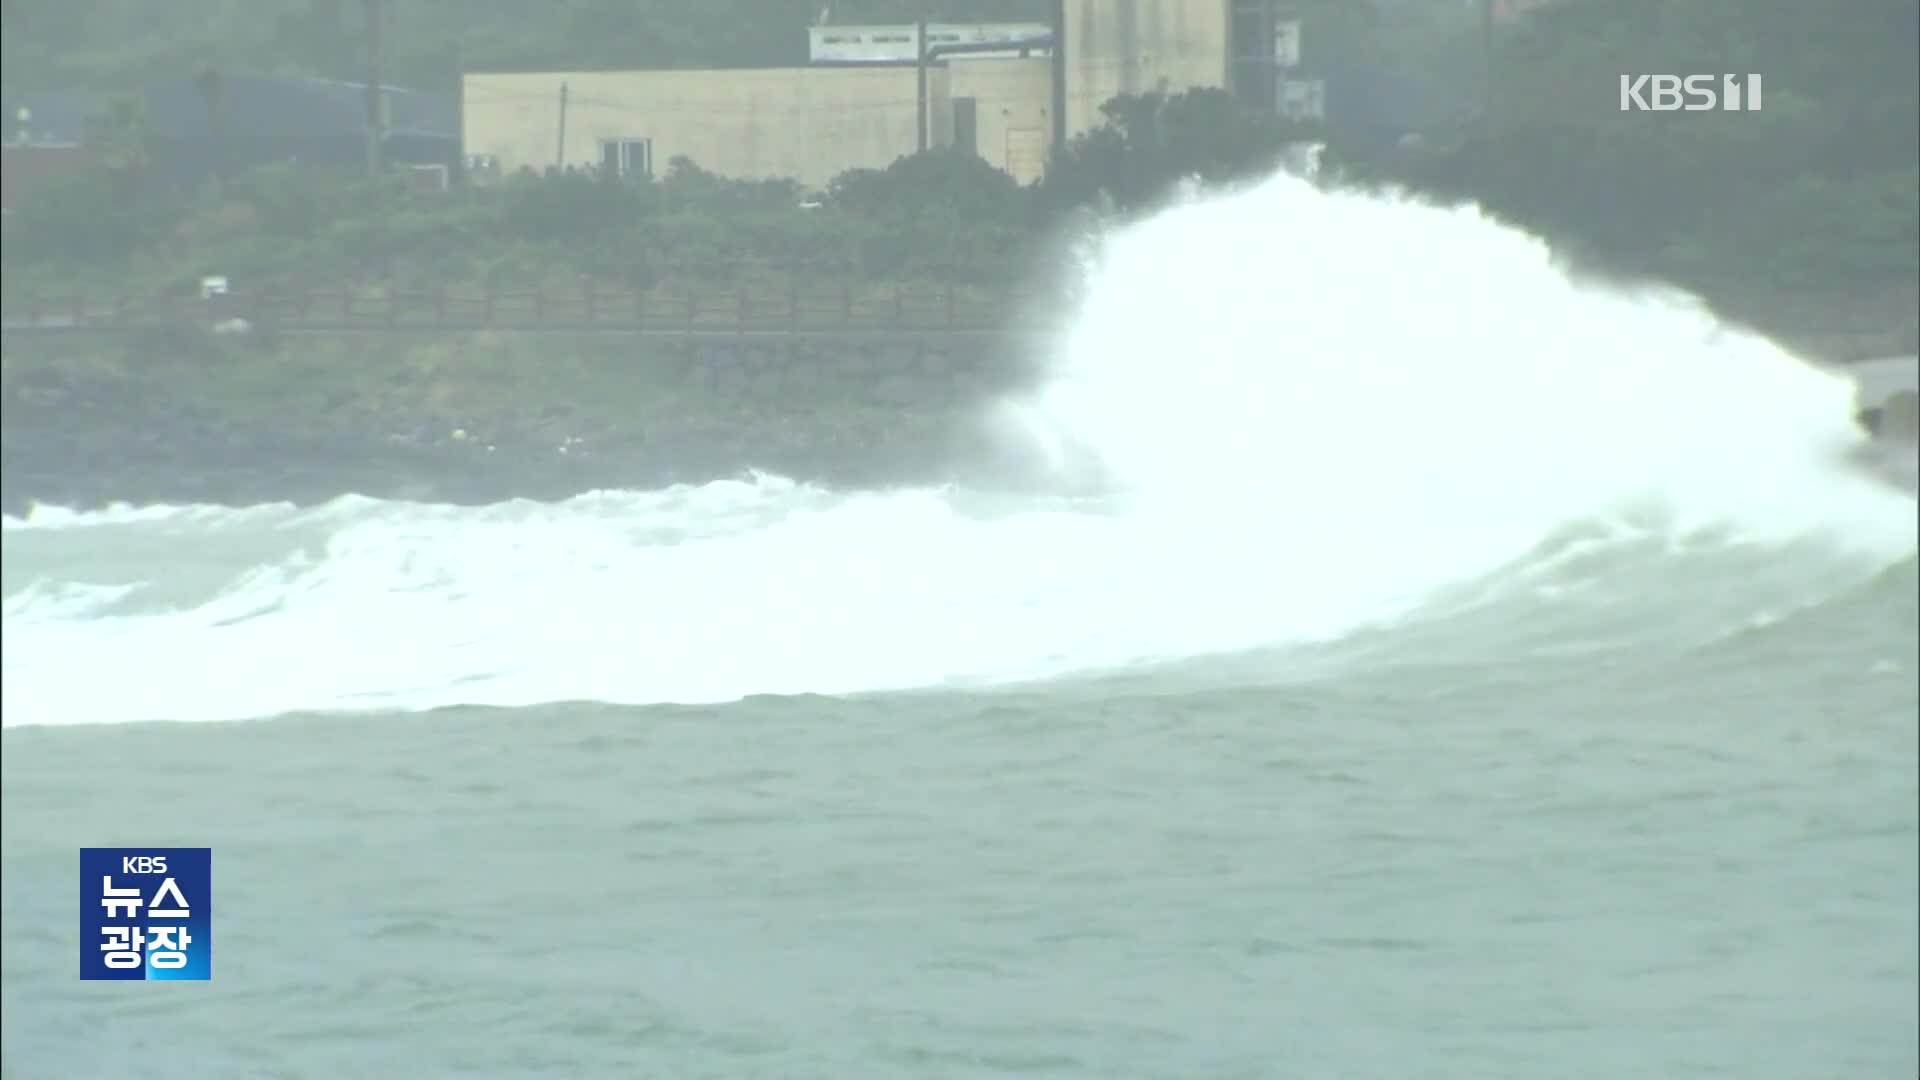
<point x="1151" y="142"/>
<point x="1756" y="194"/>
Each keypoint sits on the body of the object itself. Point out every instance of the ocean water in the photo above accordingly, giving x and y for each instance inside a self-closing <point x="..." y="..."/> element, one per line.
<point x="1418" y="664"/>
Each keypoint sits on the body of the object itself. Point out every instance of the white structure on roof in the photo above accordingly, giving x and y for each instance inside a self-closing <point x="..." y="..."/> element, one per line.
<point x="894" y="44"/>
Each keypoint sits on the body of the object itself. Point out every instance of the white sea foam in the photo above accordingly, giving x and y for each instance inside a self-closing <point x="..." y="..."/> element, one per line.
<point x="1317" y="411"/>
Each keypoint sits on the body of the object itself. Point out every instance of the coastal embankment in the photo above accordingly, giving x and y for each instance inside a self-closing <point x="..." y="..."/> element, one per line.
<point x="90" y="416"/>
<point x="93" y="418"/>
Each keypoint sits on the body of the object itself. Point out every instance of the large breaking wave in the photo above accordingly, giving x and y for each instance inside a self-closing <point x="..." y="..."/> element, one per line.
<point x="1316" y="414"/>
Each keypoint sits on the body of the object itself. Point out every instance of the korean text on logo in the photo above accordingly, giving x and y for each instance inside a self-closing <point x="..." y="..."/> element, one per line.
<point x="146" y="913"/>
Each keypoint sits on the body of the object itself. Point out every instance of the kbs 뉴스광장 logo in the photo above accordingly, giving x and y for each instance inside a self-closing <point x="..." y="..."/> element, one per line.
<point x="146" y="914"/>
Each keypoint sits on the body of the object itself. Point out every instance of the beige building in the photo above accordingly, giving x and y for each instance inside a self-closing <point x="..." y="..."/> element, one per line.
<point x="1116" y="47"/>
<point x="812" y="123"/>
<point x="806" y="124"/>
<point x="1010" y="103"/>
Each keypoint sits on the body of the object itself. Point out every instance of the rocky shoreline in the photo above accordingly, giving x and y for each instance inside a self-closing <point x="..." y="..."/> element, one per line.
<point x="184" y="418"/>
<point x="168" y="422"/>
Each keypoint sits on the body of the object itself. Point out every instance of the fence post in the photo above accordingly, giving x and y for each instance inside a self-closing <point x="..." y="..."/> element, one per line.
<point x="952" y="300"/>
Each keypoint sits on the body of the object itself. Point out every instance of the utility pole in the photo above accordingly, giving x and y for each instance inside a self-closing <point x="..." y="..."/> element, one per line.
<point x="1486" y="58"/>
<point x="560" y="140"/>
<point x="920" y="50"/>
<point x="459" y="173"/>
<point x="373" y="88"/>
<point x="1058" y="101"/>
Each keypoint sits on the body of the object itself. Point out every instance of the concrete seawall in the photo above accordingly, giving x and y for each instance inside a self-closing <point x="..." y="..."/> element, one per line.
<point x="90" y="417"/>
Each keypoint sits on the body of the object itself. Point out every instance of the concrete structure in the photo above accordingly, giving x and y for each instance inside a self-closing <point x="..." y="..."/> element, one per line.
<point x="1010" y="103"/>
<point x="1267" y="65"/>
<point x="1116" y="47"/>
<point x="899" y="43"/>
<point x="858" y="106"/>
<point x="805" y="124"/>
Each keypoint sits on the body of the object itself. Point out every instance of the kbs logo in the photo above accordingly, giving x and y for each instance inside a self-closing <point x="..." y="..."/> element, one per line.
<point x="134" y="927"/>
<point x="1691" y="93"/>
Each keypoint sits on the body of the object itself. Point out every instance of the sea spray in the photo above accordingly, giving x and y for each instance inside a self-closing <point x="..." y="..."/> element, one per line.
<point x="1302" y="413"/>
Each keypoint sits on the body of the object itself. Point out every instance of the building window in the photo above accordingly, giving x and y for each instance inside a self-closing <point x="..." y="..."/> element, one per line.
<point x="1303" y="99"/>
<point x="627" y="157"/>
<point x="432" y="177"/>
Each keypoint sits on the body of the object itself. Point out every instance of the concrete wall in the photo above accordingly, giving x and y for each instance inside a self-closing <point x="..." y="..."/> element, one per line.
<point x="1118" y="47"/>
<point x="807" y="124"/>
<point x="1012" y="110"/>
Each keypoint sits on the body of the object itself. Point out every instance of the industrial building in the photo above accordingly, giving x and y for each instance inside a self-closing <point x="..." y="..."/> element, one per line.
<point x="1007" y="92"/>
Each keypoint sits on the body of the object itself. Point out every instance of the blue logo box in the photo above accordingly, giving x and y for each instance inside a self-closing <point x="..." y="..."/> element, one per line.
<point x="146" y="914"/>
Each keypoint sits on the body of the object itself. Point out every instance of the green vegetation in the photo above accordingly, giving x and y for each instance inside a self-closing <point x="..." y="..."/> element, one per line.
<point x="1819" y="192"/>
<point x="941" y="216"/>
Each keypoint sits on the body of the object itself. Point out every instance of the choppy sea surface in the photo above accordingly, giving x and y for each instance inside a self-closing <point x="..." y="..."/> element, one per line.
<point x="1438" y="674"/>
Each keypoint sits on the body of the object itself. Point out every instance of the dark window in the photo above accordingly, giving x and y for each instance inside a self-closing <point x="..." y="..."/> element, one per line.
<point x="627" y="157"/>
<point x="966" y="128"/>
